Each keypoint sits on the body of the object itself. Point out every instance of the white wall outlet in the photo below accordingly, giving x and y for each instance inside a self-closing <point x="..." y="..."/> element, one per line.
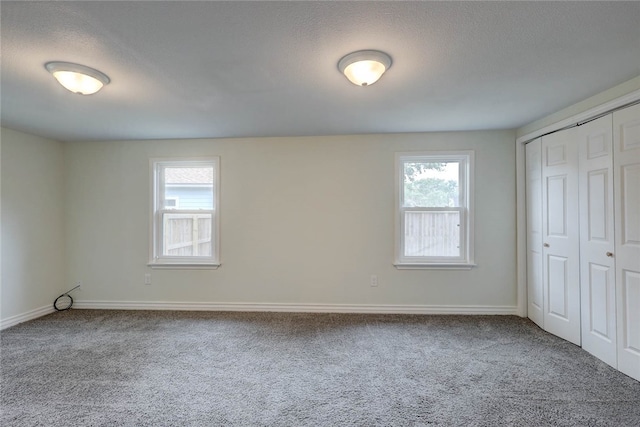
<point x="374" y="280"/>
<point x="79" y="285"/>
<point x="147" y="278"/>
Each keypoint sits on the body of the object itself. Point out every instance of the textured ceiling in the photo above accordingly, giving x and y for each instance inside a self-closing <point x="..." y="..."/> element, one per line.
<point x="233" y="69"/>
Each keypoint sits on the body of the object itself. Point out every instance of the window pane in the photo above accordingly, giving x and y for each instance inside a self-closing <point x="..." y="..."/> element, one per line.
<point x="431" y="184"/>
<point x="432" y="234"/>
<point x="186" y="234"/>
<point x="192" y="186"/>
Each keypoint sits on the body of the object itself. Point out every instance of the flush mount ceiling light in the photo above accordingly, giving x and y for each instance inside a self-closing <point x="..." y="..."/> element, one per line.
<point x="364" y="67"/>
<point x="77" y="78"/>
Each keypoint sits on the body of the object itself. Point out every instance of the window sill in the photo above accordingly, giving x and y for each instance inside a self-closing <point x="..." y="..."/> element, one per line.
<point x="183" y="266"/>
<point x="434" y="266"/>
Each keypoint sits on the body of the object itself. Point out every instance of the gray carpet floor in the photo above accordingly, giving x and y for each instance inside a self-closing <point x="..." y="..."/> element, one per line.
<point x="152" y="368"/>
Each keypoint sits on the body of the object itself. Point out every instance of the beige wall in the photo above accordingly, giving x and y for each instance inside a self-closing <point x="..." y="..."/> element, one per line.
<point x="33" y="261"/>
<point x="303" y="220"/>
<point x="80" y="212"/>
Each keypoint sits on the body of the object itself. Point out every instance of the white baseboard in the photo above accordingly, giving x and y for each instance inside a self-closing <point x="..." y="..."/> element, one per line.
<point x="29" y="315"/>
<point x="297" y="308"/>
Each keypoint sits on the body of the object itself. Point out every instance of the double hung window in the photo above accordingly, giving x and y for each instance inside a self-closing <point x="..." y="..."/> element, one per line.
<point x="185" y="212"/>
<point x="434" y="215"/>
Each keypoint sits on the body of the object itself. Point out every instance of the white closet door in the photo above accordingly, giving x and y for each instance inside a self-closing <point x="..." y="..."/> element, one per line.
<point x="626" y="140"/>
<point x="535" y="295"/>
<point x="561" y="247"/>
<point x="597" y="266"/>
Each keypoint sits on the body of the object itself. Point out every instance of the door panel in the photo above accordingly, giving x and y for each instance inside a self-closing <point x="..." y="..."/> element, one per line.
<point x="533" y="154"/>
<point x="597" y="194"/>
<point x="536" y="300"/>
<point x="556" y="155"/>
<point x="599" y="313"/>
<point x="597" y="266"/>
<point x="558" y="287"/>
<point x="561" y="265"/>
<point x="557" y="206"/>
<point x="631" y="314"/>
<point x="630" y="193"/>
<point x="626" y="142"/>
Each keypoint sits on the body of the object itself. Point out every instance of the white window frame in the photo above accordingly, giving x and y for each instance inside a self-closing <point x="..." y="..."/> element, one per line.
<point x="156" y="259"/>
<point x="466" y="161"/>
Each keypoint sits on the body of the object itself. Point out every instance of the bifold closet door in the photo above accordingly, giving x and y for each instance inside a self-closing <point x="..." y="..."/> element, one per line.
<point x="597" y="266"/>
<point x="560" y="234"/>
<point x="626" y="141"/>
<point x="535" y="294"/>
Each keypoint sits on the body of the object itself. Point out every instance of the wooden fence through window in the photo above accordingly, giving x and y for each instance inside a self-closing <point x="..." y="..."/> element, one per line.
<point x="432" y="233"/>
<point x="187" y="234"/>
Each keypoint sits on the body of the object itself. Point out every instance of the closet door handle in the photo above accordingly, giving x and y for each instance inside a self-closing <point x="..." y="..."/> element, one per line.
<point x="610" y="254"/>
<point x="546" y="245"/>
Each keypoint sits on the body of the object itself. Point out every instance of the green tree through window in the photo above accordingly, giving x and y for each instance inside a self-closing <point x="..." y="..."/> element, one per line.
<point x="425" y="185"/>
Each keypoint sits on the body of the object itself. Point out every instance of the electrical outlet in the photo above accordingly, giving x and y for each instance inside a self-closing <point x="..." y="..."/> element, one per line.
<point x="147" y="278"/>
<point x="374" y="280"/>
<point x="79" y="285"/>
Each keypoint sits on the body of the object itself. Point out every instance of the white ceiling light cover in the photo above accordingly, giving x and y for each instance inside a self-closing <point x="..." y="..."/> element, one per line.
<point x="77" y="78"/>
<point x="364" y="67"/>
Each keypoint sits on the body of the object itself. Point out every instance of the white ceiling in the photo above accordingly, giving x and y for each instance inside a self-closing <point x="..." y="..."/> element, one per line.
<point x="234" y="69"/>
